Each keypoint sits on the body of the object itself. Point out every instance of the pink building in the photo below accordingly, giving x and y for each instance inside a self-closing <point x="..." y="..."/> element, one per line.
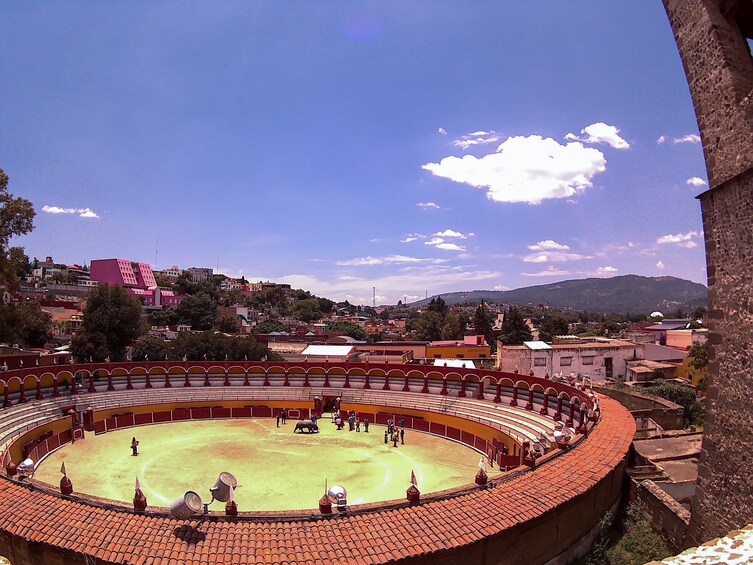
<point x="137" y="278"/>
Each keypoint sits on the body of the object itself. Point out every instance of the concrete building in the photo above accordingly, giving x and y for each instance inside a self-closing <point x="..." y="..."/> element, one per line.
<point x="199" y="274"/>
<point x="121" y="272"/>
<point x="598" y="358"/>
<point x="685" y="339"/>
<point x="471" y="347"/>
<point x="136" y="277"/>
<point x="171" y="273"/>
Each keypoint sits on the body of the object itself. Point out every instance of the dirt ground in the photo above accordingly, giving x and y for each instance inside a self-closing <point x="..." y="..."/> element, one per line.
<point x="276" y="469"/>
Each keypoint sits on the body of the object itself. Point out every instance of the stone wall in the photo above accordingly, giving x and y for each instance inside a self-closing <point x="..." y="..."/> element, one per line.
<point x="666" y="515"/>
<point x="719" y="68"/>
<point x="664" y="412"/>
<point x="720" y="74"/>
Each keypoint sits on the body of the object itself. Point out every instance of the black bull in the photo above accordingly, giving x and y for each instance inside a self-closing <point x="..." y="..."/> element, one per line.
<point x="307" y="425"/>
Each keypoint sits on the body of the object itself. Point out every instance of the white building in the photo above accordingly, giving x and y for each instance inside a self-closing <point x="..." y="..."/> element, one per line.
<point x="598" y="358"/>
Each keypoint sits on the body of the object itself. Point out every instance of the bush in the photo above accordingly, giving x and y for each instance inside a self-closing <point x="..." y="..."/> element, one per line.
<point x="639" y="543"/>
<point x="682" y="395"/>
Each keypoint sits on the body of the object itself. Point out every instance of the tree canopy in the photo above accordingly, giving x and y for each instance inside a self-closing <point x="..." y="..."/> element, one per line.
<point x="482" y="324"/>
<point x="25" y="323"/>
<point x="552" y="325"/>
<point x="437" y="322"/>
<point x="197" y="310"/>
<point x="112" y="320"/>
<point x="350" y="329"/>
<point x="514" y="328"/>
<point x="151" y="348"/>
<point x="16" y="218"/>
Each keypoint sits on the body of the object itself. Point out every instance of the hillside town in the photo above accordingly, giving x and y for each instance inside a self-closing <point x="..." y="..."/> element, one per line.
<point x="295" y="325"/>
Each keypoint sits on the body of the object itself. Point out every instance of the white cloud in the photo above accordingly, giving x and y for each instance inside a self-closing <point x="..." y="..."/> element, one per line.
<point x="554" y="257"/>
<point x="660" y="265"/>
<point x="600" y="133"/>
<point x="427" y="205"/>
<point x="551" y="271"/>
<point x="547" y="244"/>
<point x="450" y="247"/>
<point x="662" y="139"/>
<point x="526" y="169"/>
<point x="412" y="237"/>
<point x="389" y="259"/>
<point x="408" y="239"/>
<point x="690" y="138"/>
<point x="476" y="138"/>
<point x="695" y="181"/>
<point x="680" y="239"/>
<point x="536" y="259"/>
<point x="451" y="233"/>
<point x="440" y="243"/>
<point x="606" y="270"/>
<point x="442" y="131"/>
<point x="82" y="212"/>
<point x="501" y="287"/>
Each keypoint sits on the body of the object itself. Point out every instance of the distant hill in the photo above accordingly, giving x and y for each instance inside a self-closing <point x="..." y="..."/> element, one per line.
<point x="625" y="294"/>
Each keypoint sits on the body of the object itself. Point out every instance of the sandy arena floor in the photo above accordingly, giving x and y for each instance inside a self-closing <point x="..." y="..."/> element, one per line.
<point x="275" y="468"/>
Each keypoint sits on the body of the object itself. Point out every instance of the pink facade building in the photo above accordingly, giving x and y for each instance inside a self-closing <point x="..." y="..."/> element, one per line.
<point x="136" y="277"/>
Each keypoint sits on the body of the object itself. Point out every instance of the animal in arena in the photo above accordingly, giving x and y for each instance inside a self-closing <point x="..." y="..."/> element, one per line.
<point x="307" y="425"/>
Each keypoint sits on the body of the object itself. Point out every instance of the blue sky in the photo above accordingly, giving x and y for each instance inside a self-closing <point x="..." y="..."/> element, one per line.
<point x="410" y="146"/>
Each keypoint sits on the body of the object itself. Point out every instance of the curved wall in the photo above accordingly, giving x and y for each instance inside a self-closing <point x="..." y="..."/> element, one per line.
<point x="528" y="515"/>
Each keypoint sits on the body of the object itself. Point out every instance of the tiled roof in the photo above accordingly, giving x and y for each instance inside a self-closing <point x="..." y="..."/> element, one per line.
<point x="363" y="537"/>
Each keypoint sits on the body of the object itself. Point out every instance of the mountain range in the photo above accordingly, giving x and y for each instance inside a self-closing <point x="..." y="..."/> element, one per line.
<point x="632" y="294"/>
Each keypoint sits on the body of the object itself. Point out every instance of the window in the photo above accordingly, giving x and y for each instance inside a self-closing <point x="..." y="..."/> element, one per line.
<point x="539" y="362"/>
<point x="588" y="360"/>
<point x="566" y="361"/>
<point x="437" y="356"/>
<point x="460" y="356"/>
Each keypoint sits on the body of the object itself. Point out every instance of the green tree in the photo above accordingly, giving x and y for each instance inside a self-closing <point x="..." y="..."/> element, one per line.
<point x="112" y="317"/>
<point x="33" y="325"/>
<point x="350" y="329"/>
<point x="149" y="347"/>
<point x="306" y="310"/>
<point x="197" y="310"/>
<point x="454" y="326"/>
<point x="25" y="323"/>
<point x="552" y="325"/>
<point x="228" y="325"/>
<point x="682" y="395"/>
<point x="428" y="326"/>
<point x="700" y="355"/>
<point x="269" y="326"/>
<point x="482" y="323"/>
<point x="438" y="305"/>
<point x="218" y="347"/>
<point x="16" y="218"/>
<point x="514" y="328"/>
<point x="165" y="317"/>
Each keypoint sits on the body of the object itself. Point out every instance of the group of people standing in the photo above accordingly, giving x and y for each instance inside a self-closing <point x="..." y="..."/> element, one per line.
<point x="392" y="433"/>
<point x="354" y="422"/>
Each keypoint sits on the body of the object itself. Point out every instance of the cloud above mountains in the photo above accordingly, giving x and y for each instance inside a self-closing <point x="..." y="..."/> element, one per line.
<point x="526" y="169"/>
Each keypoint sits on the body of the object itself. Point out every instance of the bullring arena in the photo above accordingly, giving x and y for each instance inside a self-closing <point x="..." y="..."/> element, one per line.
<point x="538" y="502"/>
